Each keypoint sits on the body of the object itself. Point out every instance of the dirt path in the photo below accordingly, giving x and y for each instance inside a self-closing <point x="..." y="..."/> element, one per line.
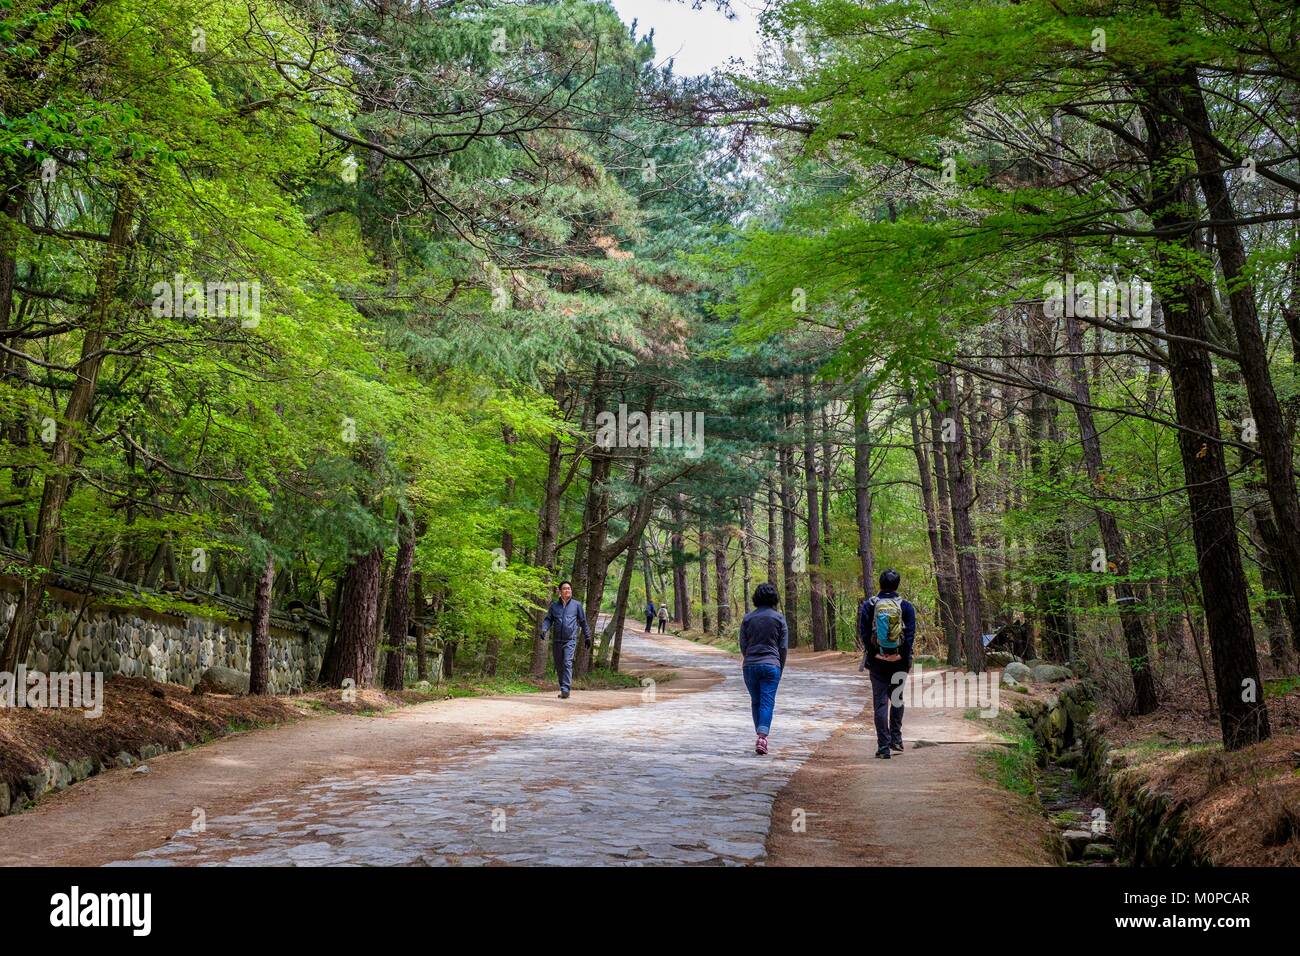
<point x="929" y="806"/>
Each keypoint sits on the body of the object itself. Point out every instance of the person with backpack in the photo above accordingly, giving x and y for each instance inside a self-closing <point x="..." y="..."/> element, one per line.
<point x="649" y="615"/>
<point x="887" y="628"/>
<point x="764" y="638"/>
<point x="663" y="618"/>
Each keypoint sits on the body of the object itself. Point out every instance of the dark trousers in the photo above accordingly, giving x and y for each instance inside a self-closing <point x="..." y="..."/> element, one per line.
<point x="649" y="622"/>
<point x="562" y="654"/>
<point x="761" y="681"/>
<point x="889" y="719"/>
<point x="663" y="623"/>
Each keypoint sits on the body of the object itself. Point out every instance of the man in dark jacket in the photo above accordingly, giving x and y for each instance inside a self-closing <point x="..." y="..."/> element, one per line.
<point x="886" y="665"/>
<point x="649" y="615"/>
<point x="567" y="617"/>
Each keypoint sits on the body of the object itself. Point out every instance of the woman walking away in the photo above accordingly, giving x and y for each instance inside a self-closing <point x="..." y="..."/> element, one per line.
<point x="764" y="638"/>
<point x="663" y="618"/>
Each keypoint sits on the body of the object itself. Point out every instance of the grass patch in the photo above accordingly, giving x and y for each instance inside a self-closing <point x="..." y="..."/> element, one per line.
<point x="1140" y="751"/>
<point x="1014" y="768"/>
<point x="482" y="685"/>
<point x="1281" y="686"/>
<point x="723" y="642"/>
<point x="602" y="678"/>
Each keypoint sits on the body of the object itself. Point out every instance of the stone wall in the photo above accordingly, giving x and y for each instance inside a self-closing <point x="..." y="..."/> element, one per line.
<point x="1146" y="829"/>
<point x="113" y="636"/>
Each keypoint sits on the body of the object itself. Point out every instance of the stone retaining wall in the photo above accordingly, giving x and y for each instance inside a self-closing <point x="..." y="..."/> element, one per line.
<point x="112" y="637"/>
<point x="1147" y="830"/>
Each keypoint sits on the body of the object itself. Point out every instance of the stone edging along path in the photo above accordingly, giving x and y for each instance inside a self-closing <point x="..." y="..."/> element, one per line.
<point x="665" y="780"/>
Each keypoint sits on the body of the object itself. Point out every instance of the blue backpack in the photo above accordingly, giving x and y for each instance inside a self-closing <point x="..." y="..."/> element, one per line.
<point x="888" y="616"/>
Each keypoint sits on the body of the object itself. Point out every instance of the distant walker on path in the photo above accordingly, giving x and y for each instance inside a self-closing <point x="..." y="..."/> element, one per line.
<point x="663" y="618"/>
<point x="764" y="639"/>
<point x="567" y="618"/>
<point x="887" y="627"/>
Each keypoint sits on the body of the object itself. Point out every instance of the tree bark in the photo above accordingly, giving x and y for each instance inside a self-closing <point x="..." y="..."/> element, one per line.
<point x="862" y="488"/>
<point x="1243" y="717"/>
<point x="723" y="596"/>
<point x="963" y="534"/>
<point x="352" y="656"/>
<point x="773" y="544"/>
<point x="421" y="654"/>
<point x="706" y="622"/>
<point x="816" y="582"/>
<point x="827" y="460"/>
<point x="1052" y="554"/>
<point x="788" y="544"/>
<point x="945" y="570"/>
<point x="399" y="606"/>
<point x="681" y="589"/>
<point x="259" y="644"/>
<point x="1274" y="439"/>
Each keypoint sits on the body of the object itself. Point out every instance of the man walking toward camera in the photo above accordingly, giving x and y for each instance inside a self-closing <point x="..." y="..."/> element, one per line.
<point x="887" y="628"/>
<point x="567" y="618"/>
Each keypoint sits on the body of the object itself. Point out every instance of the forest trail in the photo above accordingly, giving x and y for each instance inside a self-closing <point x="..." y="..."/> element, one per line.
<point x="608" y="777"/>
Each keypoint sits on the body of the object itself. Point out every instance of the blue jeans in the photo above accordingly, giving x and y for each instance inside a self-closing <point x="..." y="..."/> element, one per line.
<point x="761" y="681"/>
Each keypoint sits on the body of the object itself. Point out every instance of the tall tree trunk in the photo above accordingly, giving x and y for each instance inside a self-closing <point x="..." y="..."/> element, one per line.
<point x="1270" y="423"/>
<point x="1243" y="717"/>
<point x="399" y="605"/>
<point x="862" y="487"/>
<point x="959" y="479"/>
<point x="816" y="581"/>
<point x="945" y="572"/>
<point x="720" y="542"/>
<point x="706" y="622"/>
<point x="68" y="438"/>
<point x="681" y="590"/>
<point x="611" y="639"/>
<point x="492" y="650"/>
<point x="352" y="656"/>
<point x="788" y="543"/>
<point x="417" y="601"/>
<point x="773" y="545"/>
<point x="1052" y="557"/>
<point x="746" y="547"/>
<point x="596" y="564"/>
<point x="827" y="464"/>
<point x="259" y="644"/>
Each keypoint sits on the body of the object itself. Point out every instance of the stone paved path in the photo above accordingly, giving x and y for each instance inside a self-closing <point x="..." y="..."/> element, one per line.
<point x="666" y="782"/>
